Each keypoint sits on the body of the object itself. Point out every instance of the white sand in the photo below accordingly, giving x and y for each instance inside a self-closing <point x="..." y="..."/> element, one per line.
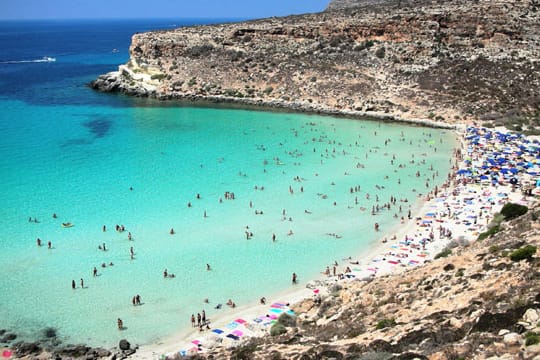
<point x="465" y="202"/>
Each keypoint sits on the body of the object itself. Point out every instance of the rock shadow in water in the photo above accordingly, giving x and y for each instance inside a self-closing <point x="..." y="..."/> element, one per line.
<point x="98" y="127"/>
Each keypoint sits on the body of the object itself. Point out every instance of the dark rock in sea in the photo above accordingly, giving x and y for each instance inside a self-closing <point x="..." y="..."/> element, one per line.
<point x="24" y="348"/>
<point x="124" y="345"/>
<point x="100" y="352"/>
<point x="73" y="350"/>
<point x="49" y="332"/>
<point x="2" y="332"/>
<point x="8" y="337"/>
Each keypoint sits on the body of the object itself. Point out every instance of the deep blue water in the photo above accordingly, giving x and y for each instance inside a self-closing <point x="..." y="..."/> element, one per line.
<point x="83" y="49"/>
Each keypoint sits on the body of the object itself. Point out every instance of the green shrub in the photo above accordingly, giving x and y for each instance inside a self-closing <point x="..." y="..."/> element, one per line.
<point x="490" y="232"/>
<point x="199" y="50"/>
<point x="385" y="323"/>
<point x="286" y="320"/>
<point x="443" y="254"/>
<point x="531" y="338"/>
<point x="460" y="273"/>
<point x="494" y="249"/>
<point x="512" y="211"/>
<point x="157" y="77"/>
<point x="277" y="329"/>
<point x="524" y="253"/>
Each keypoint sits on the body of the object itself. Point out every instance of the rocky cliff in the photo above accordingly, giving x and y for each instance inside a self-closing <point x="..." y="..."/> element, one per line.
<point x="451" y="60"/>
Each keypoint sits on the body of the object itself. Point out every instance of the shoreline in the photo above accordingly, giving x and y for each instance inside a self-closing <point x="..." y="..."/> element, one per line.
<point x="295" y="296"/>
<point x="273" y="105"/>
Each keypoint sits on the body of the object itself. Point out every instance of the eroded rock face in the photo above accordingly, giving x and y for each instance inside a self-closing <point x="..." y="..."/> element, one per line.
<point x="410" y="58"/>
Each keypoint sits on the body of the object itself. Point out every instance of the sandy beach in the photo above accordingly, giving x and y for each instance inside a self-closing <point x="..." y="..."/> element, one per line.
<point x="448" y="216"/>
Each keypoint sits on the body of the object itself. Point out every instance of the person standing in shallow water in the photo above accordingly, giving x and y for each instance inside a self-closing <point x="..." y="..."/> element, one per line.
<point x="294" y="278"/>
<point x="73" y="284"/>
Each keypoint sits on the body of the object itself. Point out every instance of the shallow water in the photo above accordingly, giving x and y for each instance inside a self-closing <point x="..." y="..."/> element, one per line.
<point x="70" y="151"/>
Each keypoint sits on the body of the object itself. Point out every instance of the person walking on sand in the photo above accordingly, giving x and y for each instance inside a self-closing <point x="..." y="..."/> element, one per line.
<point x="193" y="320"/>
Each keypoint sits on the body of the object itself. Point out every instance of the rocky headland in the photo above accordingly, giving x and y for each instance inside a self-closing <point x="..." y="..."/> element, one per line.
<point x="451" y="61"/>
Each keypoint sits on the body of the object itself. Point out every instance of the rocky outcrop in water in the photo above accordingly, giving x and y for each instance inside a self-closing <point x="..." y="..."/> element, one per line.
<point x="446" y="60"/>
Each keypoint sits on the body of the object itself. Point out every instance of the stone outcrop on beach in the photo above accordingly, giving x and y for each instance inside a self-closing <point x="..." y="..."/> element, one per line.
<point x="479" y="302"/>
<point x="450" y="61"/>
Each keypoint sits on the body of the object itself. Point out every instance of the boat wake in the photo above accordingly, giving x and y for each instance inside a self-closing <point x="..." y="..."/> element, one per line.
<point x="45" y="59"/>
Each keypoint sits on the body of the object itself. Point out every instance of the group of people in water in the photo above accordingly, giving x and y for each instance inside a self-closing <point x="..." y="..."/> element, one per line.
<point x="303" y="189"/>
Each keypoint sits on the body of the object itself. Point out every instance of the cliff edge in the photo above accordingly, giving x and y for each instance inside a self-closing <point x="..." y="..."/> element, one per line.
<point x="452" y="61"/>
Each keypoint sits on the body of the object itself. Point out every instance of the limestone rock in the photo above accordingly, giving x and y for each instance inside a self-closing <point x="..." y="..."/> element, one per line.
<point x="332" y="62"/>
<point x="512" y="339"/>
<point x="532" y="316"/>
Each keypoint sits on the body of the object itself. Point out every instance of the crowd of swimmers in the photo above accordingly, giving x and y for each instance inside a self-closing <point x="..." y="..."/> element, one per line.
<point x="228" y="195"/>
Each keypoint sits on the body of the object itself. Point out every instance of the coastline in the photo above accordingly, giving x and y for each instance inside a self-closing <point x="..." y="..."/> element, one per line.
<point x="294" y="296"/>
<point x="274" y="105"/>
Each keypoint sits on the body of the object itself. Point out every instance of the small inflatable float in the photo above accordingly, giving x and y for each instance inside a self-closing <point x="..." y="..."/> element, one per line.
<point x="67" y="225"/>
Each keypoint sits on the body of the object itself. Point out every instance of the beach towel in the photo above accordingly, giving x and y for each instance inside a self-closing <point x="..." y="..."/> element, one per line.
<point x="217" y="331"/>
<point x="231" y="325"/>
<point x="237" y="333"/>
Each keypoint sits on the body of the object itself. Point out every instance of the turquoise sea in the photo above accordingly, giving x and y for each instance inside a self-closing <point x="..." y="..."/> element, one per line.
<point x="99" y="159"/>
